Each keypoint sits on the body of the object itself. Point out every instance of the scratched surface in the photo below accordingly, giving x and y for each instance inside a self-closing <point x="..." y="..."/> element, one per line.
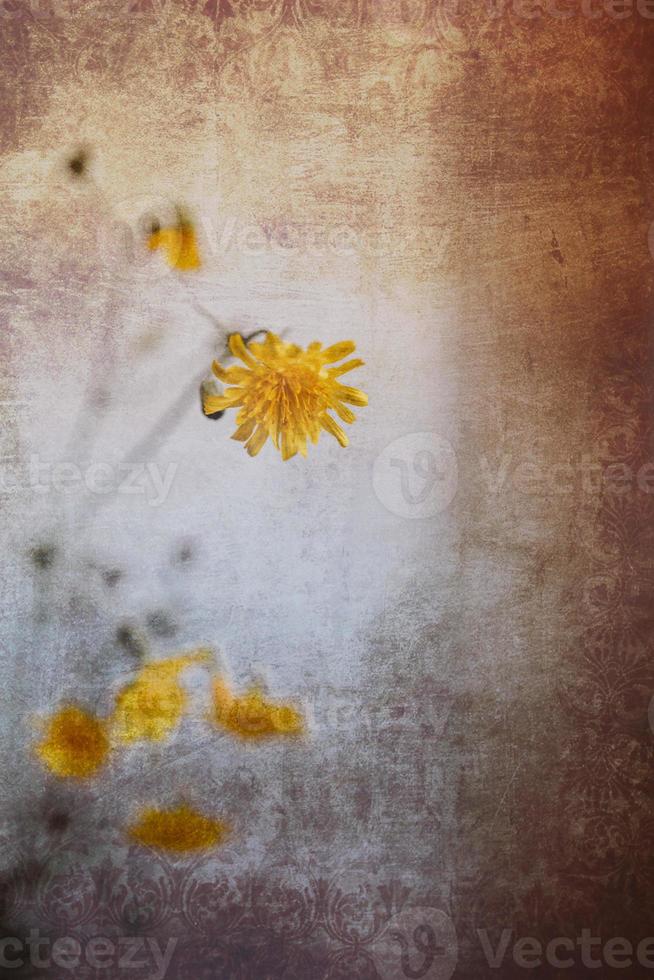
<point x="466" y="193"/>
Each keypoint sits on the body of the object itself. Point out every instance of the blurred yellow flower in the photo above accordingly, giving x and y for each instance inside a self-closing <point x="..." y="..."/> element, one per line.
<point x="285" y="392"/>
<point x="151" y="705"/>
<point x="181" y="829"/>
<point x="75" y="743"/>
<point x="179" y="245"/>
<point x="251" y="716"/>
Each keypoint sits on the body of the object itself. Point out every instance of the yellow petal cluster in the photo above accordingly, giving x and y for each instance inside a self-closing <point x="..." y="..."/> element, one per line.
<point x="179" y="245"/>
<point x="285" y="393"/>
<point x="151" y="705"/>
<point x="252" y="716"/>
<point x="75" y="743"/>
<point x="181" y="830"/>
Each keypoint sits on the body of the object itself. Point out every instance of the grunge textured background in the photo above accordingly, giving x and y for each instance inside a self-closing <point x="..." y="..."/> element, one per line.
<point x="466" y="191"/>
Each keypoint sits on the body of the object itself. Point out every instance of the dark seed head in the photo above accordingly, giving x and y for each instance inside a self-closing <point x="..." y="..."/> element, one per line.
<point x="43" y="556"/>
<point x="78" y="163"/>
<point x="129" y="640"/>
<point x="185" y="553"/>
<point x="111" y="577"/>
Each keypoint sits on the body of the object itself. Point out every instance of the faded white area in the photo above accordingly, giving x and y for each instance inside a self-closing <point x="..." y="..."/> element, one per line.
<point x="295" y="565"/>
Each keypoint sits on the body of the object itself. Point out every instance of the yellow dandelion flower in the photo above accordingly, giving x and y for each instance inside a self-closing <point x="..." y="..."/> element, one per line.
<point x="286" y="392"/>
<point x="151" y="705"/>
<point x="251" y="716"/>
<point x="181" y="829"/>
<point x="75" y="743"/>
<point x="179" y="245"/>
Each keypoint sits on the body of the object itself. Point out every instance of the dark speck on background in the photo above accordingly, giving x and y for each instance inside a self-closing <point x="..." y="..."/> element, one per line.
<point x="78" y="164"/>
<point x="43" y="556"/>
<point x="161" y="623"/>
<point x="111" y="577"/>
<point x="184" y="554"/>
<point x="128" y="638"/>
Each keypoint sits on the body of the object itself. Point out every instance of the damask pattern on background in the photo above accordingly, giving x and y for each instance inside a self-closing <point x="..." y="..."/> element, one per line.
<point x="551" y="828"/>
<point x="281" y="922"/>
